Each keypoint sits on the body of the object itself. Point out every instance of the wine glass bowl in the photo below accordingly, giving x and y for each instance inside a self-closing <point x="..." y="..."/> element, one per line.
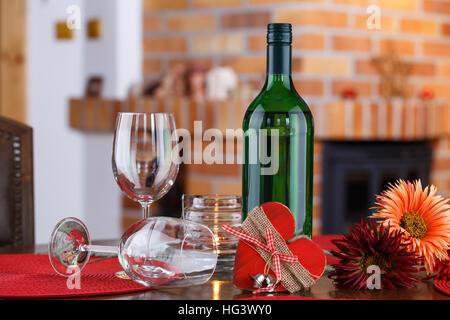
<point x="168" y="252"/>
<point x="142" y="156"/>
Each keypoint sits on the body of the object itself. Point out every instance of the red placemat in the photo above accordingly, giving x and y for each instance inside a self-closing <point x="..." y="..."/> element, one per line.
<point x="324" y="241"/>
<point x="285" y="297"/>
<point x="442" y="286"/>
<point x="32" y="276"/>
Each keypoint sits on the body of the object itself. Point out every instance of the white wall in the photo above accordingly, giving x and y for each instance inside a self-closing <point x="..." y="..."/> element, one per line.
<point x="73" y="175"/>
<point x="102" y="201"/>
<point x="55" y="73"/>
<point x="102" y="204"/>
<point x="100" y="56"/>
<point x="129" y="45"/>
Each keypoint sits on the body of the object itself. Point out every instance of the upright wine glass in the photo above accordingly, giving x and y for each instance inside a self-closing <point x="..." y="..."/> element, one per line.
<point x="142" y="156"/>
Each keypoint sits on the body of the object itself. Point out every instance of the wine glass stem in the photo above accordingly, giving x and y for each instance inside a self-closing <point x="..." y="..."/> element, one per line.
<point x="99" y="249"/>
<point x="146" y="207"/>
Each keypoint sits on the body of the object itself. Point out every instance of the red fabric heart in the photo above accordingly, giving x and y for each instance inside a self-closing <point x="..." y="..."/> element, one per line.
<point x="249" y="263"/>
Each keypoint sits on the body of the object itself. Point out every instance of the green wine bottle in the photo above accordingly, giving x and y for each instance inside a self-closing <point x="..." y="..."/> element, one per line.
<point x="278" y="138"/>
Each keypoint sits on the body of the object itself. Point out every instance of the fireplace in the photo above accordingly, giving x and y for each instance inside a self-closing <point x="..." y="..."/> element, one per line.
<point x="354" y="172"/>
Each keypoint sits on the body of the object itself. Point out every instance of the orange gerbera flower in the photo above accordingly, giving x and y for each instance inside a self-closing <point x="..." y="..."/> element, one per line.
<point x="421" y="214"/>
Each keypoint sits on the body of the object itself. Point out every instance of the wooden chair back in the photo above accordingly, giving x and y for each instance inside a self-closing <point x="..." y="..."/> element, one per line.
<point x="16" y="184"/>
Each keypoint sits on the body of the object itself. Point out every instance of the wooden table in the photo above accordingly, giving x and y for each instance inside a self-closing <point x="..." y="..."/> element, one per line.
<point x="220" y="287"/>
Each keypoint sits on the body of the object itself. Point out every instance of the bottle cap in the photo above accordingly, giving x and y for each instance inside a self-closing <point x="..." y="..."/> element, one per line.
<point x="279" y="33"/>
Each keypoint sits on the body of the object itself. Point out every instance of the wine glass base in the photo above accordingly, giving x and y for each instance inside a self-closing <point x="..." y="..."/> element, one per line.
<point x="65" y="249"/>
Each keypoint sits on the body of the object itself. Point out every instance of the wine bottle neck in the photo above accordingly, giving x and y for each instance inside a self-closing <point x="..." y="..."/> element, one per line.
<point x="279" y="58"/>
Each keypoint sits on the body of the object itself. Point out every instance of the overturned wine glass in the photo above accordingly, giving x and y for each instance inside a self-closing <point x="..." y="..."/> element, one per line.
<point x="157" y="252"/>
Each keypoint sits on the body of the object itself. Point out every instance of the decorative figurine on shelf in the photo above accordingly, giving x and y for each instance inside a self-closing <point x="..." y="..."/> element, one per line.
<point x="173" y="83"/>
<point x="393" y="73"/>
<point x="94" y="87"/>
<point x="426" y="95"/>
<point x="181" y="81"/>
<point x="196" y="82"/>
<point x="220" y="82"/>
<point x="269" y="258"/>
<point x="349" y="93"/>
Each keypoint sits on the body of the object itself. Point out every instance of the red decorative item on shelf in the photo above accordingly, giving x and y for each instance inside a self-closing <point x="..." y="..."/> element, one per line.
<point x="349" y="93"/>
<point x="252" y="260"/>
<point x="427" y="94"/>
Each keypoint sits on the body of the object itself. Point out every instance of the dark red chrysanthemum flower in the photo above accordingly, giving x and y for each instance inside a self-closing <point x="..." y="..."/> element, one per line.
<point x="366" y="245"/>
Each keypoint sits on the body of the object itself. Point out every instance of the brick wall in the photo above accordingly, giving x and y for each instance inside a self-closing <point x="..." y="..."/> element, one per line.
<point x="332" y="50"/>
<point x="332" y="46"/>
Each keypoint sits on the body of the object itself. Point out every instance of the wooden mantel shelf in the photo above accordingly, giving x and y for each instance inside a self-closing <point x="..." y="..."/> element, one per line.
<point x="99" y="115"/>
<point x="341" y="120"/>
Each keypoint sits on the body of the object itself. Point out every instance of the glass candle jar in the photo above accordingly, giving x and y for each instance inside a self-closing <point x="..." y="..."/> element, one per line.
<point x="214" y="211"/>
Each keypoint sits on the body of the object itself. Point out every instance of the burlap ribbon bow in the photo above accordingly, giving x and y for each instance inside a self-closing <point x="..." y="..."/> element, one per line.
<point x="259" y="233"/>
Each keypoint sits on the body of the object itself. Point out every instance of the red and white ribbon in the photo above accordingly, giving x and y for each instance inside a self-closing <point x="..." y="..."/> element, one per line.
<point x="268" y="247"/>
